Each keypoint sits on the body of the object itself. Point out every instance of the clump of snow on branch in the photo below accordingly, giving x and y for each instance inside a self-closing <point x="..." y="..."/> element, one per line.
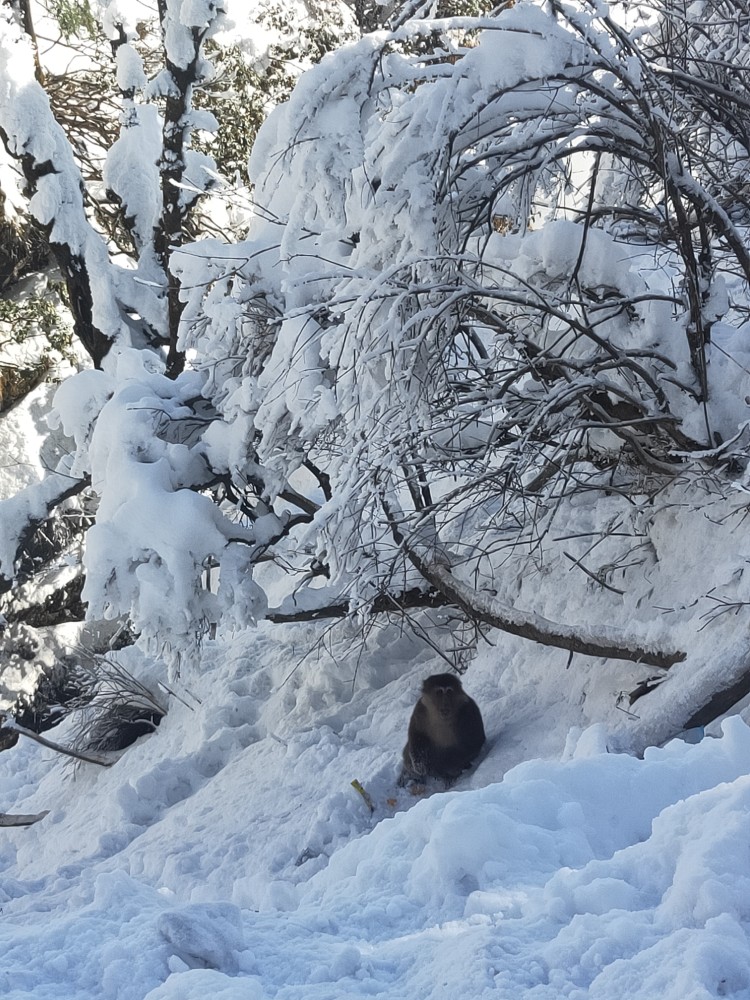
<point x="34" y="135"/>
<point x="155" y="540"/>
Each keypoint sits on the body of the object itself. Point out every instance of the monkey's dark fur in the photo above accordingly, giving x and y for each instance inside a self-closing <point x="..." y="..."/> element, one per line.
<point x="446" y="732"/>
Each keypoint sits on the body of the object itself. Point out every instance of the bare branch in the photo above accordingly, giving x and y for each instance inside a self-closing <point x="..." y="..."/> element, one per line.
<point x="482" y="607"/>
<point x="58" y="748"/>
<point x="383" y="604"/>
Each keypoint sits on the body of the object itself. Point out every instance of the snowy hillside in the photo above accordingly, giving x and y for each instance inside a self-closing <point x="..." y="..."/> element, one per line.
<point x="479" y="357"/>
<point x="228" y="856"/>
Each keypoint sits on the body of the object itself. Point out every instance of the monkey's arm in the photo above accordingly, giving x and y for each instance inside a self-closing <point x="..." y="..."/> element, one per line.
<point x="471" y="730"/>
<point x="417" y="752"/>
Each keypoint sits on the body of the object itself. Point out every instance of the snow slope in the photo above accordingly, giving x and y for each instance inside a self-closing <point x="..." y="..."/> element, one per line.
<point x="227" y="856"/>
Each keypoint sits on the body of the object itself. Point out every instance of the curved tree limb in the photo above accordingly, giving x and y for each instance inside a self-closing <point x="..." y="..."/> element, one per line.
<point x="610" y="643"/>
<point x="484" y="608"/>
<point x="88" y="758"/>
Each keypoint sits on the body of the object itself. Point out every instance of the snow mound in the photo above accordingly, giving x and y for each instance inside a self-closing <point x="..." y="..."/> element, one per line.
<point x="228" y="857"/>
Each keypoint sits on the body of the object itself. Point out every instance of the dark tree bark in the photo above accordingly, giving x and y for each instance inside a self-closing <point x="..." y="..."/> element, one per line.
<point x="72" y="265"/>
<point x="169" y="234"/>
<point x="721" y="700"/>
<point x="382" y="604"/>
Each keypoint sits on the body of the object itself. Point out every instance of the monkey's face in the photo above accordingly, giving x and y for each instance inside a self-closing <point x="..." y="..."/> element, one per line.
<point x="445" y="698"/>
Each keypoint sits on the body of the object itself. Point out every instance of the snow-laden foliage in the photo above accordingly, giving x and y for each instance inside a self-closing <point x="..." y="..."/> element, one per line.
<point x="494" y="286"/>
<point x="31" y="134"/>
<point x="129" y="306"/>
<point x="497" y="265"/>
<point x="142" y="465"/>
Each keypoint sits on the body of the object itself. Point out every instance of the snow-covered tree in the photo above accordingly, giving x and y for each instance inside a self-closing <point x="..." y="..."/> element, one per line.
<point x="150" y="174"/>
<point x="114" y="157"/>
<point x="484" y="282"/>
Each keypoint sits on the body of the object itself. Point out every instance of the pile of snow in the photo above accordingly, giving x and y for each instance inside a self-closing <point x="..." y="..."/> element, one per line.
<point x="227" y="856"/>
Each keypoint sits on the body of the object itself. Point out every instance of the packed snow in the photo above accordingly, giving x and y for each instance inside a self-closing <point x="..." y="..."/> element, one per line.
<point x="228" y="855"/>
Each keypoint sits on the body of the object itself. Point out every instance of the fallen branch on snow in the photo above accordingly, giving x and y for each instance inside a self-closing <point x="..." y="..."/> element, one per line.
<point x="21" y="819"/>
<point x="58" y="748"/>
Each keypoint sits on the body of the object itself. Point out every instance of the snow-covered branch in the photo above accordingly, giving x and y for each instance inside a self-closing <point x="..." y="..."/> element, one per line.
<point x="482" y="607"/>
<point x="609" y="643"/>
<point x="23" y="513"/>
<point x="184" y="174"/>
<point x="32" y="136"/>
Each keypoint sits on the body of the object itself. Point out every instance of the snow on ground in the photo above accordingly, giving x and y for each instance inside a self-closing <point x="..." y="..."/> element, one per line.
<point x="227" y="856"/>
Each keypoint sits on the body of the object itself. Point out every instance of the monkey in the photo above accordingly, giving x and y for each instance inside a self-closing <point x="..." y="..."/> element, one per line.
<point x="446" y="732"/>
